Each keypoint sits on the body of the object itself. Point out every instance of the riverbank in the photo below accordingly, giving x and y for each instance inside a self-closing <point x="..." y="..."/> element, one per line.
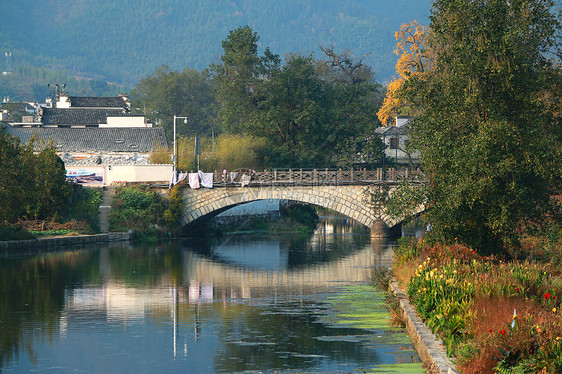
<point x="429" y="346"/>
<point x="492" y="313"/>
<point x="55" y="243"/>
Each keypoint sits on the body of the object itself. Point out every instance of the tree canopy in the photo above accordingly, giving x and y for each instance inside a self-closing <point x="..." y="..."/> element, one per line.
<point x="489" y="142"/>
<point x="31" y="186"/>
<point x="313" y="113"/>
<point x="166" y="93"/>
<point x="412" y="59"/>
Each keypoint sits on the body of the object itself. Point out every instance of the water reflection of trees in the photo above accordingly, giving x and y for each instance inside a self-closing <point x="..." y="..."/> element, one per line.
<point x="32" y="296"/>
<point x="333" y="239"/>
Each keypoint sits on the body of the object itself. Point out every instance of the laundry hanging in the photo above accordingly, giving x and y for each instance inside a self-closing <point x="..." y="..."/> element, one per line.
<point x="206" y="179"/>
<point x="193" y="180"/>
<point x="245" y="180"/>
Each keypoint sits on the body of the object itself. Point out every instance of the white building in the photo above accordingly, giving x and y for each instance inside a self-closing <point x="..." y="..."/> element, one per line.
<point x="396" y="139"/>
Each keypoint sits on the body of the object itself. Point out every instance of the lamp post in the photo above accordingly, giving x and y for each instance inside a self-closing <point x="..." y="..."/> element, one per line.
<point x="175" y="148"/>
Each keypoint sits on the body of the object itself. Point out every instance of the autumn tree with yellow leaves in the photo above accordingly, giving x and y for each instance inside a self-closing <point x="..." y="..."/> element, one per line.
<point x="413" y="59"/>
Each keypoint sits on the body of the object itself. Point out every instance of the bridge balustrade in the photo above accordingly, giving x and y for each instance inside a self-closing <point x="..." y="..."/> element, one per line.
<point x="316" y="176"/>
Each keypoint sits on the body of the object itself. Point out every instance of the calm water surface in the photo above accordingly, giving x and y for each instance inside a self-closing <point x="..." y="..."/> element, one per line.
<point x="238" y="304"/>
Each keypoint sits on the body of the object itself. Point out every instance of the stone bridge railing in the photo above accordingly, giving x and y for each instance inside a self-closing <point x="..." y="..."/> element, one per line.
<point x="313" y="176"/>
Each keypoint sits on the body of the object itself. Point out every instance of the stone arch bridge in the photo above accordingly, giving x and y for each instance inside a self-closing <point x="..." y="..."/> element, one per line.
<point x="353" y="193"/>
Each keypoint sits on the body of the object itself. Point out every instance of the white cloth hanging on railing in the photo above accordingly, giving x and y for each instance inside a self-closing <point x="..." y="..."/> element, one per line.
<point x="206" y="179"/>
<point x="182" y="176"/>
<point x="233" y="176"/>
<point x="173" y="180"/>
<point x="245" y="180"/>
<point x="193" y="180"/>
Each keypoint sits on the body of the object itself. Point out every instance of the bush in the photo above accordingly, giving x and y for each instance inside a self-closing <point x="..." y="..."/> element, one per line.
<point x="137" y="208"/>
<point x="172" y="215"/>
<point x="84" y="207"/>
<point x="14" y="233"/>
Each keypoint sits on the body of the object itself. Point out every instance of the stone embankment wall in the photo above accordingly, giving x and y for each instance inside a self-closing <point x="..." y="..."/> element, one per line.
<point x="429" y="346"/>
<point x="22" y="246"/>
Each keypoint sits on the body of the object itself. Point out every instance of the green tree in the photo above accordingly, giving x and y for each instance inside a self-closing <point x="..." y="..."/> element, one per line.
<point x="166" y="93"/>
<point x="31" y="186"/>
<point x="10" y="185"/>
<point x="50" y="191"/>
<point x="238" y="75"/>
<point x="313" y="114"/>
<point x="354" y="98"/>
<point x="488" y="143"/>
<point x="292" y="112"/>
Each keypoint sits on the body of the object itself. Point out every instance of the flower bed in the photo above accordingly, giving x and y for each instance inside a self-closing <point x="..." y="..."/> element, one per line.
<point x="491" y="314"/>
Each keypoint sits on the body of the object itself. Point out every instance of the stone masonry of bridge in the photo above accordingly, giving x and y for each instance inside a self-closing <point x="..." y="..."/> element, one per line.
<point x="354" y="201"/>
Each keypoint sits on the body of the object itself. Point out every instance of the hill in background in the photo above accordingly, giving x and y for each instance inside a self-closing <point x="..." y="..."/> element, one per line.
<point x="92" y="42"/>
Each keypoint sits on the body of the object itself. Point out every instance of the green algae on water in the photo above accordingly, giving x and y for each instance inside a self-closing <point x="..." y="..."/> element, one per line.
<point x="405" y="368"/>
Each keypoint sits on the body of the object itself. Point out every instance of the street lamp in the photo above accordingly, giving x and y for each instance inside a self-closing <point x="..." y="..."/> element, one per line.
<point x="175" y="148"/>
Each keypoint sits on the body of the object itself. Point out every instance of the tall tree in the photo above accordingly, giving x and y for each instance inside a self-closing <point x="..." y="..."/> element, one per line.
<point x="355" y="97"/>
<point x="237" y="77"/>
<point x="291" y="112"/>
<point x="166" y="93"/>
<point x="488" y="143"/>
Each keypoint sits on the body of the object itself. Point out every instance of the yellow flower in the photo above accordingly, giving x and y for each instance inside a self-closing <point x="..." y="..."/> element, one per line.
<point x="554" y="310"/>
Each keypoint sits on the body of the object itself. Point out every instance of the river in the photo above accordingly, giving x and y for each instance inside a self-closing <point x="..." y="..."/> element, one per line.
<point x="288" y="303"/>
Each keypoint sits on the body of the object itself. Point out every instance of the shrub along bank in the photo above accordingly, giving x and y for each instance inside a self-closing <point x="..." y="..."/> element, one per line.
<point x="494" y="314"/>
<point x="147" y="212"/>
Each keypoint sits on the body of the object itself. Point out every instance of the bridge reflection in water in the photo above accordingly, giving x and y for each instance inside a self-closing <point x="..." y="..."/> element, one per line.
<point x="229" y="296"/>
<point x="238" y="268"/>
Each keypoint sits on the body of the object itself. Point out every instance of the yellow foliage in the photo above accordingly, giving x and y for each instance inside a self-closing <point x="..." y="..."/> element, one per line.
<point x="161" y="156"/>
<point x="238" y="151"/>
<point x="229" y="152"/>
<point x="410" y="48"/>
<point x="410" y="44"/>
<point x="391" y="104"/>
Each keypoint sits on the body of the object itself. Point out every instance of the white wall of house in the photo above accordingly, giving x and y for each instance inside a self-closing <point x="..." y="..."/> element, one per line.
<point x="108" y="175"/>
<point x="62" y="102"/>
<point x="133" y="121"/>
<point x="139" y="173"/>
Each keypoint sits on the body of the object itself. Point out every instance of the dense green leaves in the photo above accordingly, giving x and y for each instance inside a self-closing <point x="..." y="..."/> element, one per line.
<point x="136" y="207"/>
<point x="31" y="186"/>
<point x="486" y="137"/>
<point x="312" y="113"/>
<point x="166" y="93"/>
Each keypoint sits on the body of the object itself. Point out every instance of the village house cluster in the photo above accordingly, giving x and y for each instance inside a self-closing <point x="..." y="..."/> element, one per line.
<point x="98" y="138"/>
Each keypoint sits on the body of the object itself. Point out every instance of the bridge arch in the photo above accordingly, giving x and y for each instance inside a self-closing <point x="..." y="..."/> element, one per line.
<point x="354" y="201"/>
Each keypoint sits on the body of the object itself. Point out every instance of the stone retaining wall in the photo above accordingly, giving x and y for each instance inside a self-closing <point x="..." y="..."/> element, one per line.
<point x="63" y="242"/>
<point x="429" y="346"/>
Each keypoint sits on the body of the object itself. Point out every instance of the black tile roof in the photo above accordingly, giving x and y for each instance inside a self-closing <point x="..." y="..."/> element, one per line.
<point x="95" y="140"/>
<point x="58" y="116"/>
<point x="97" y="102"/>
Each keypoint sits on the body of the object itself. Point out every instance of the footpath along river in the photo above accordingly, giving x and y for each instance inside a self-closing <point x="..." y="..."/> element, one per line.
<point x="288" y="303"/>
